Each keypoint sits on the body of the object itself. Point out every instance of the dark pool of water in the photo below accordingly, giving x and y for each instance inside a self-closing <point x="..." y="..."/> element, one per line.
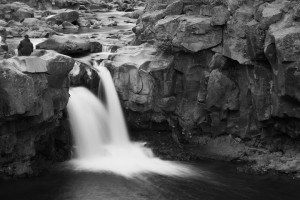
<point x="218" y="181"/>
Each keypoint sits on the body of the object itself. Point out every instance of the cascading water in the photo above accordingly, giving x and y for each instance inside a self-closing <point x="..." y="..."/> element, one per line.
<point x="101" y="137"/>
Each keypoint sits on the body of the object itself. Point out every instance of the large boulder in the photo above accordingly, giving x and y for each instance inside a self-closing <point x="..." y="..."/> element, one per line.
<point x="34" y="92"/>
<point x="70" y="45"/>
<point x="63" y="16"/>
<point x="16" y="11"/>
<point x="188" y="33"/>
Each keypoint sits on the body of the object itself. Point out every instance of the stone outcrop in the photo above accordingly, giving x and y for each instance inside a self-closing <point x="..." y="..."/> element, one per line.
<point x="33" y="95"/>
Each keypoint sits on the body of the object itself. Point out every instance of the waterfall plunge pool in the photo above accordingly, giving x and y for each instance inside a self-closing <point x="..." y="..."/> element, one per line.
<point x="217" y="180"/>
<point x="108" y="166"/>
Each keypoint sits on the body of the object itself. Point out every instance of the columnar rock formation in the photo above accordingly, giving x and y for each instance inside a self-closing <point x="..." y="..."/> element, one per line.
<point x="33" y="95"/>
<point x="229" y="67"/>
<point x="217" y="67"/>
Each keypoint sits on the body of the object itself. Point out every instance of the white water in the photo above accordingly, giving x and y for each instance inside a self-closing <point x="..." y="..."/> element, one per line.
<point x="101" y="137"/>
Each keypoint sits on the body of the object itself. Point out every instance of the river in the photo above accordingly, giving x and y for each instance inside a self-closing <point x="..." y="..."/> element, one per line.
<point x="214" y="180"/>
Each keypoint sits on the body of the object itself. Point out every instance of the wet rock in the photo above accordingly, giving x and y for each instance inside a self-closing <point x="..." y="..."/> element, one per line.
<point x="84" y="75"/>
<point x="68" y="25"/>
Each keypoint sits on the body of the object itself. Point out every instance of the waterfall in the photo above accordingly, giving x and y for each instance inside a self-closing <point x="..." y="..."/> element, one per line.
<point x="101" y="138"/>
<point x="116" y="121"/>
<point x="106" y="48"/>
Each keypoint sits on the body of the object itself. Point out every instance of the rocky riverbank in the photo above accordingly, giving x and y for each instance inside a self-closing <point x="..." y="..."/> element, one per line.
<point x="223" y="74"/>
<point x="34" y="131"/>
<point x="220" y="77"/>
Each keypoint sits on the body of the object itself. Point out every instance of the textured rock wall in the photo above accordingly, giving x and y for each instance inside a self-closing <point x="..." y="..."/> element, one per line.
<point x="33" y="95"/>
<point x="220" y="67"/>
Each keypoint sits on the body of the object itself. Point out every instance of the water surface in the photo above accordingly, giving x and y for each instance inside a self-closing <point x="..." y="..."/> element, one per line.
<point x="217" y="180"/>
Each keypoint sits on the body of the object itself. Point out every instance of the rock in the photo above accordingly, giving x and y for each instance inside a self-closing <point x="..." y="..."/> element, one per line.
<point x="68" y="45"/>
<point x="3" y="34"/>
<point x="83" y="22"/>
<point x="174" y="8"/>
<point x="255" y="34"/>
<point x="23" y="13"/>
<point x="2" y="23"/>
<point x="197" y="35"/>
<point x="135" y="14"/>
<point x="40" y="32"/>
<point x="269" y="13"/>
<point x="16" y="11"/>
<point x="287" y="45"/>
<point x="33" y="94"/>
<point x="235" y="44"/>
<point x="68" y="25"/>
<point x="63" y="16"/>
<point x="84" y="75"/>
<point x="13" y="23"/>
<point x="220" y="16"/>
<point x="31" y="22"/>
<point x="222" y="93"/>
<point x="15" y="31"/>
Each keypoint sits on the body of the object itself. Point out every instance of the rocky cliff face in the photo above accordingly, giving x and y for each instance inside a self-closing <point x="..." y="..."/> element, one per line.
<point x="227" y="68"/>
<point x="215" y="68"/>
<point x="33" y="95"/>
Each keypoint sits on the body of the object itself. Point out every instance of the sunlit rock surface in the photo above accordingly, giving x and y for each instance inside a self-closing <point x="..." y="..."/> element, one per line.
<point x="33" y="94"/>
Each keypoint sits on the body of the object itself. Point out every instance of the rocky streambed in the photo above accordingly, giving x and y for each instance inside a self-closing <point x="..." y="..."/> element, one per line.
<point x="219" y="79"/>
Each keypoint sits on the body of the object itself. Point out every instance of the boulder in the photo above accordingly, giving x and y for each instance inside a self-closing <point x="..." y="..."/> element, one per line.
<point x="31" y="22"/>
<point x="83" y="74"/>
<point x="23" y="12"/>
<point x="174" y="8"/>
<point x="188" y="33"/>
<point x="69" y="45"/>
<point x="16" y="11"/>
<point x="34" y="92"/>
<point x="220" y="15"/>
<point x="2" y="23"/>
<point x="83" y="22"/>
<point x="63" y="16"/>
<point x="68" y="25"/>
